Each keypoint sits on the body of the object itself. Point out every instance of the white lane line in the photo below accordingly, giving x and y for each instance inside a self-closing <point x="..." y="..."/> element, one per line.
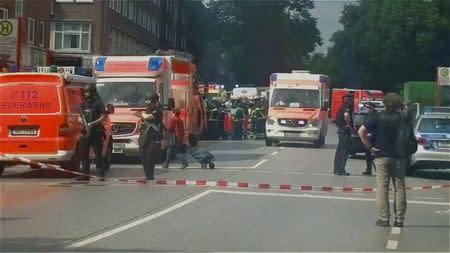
<point x="137" y="222"/>
<point x="295" y="173"/>
<point x="259" y="163"/>
<point x="281" y="147"/>
<point x="274" y="153"/>
<point x="273" y="194"/>
<point x="391" y="244"/>
<point x="396" y="230"/>
<point x="429" y="198"/>
<point x="262" y="171"/>
<point x="320" y="174"/>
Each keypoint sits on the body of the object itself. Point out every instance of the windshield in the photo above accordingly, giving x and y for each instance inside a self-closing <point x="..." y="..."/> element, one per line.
<point x="295" y="98"/>
<point x="125" y="94"/>
<point x="436" y="125"/>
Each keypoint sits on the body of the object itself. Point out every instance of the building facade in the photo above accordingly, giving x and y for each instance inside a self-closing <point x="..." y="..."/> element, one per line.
<point x="71" y="32"/>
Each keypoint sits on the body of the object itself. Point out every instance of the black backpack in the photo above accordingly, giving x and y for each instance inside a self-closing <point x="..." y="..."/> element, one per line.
<point x="405" y="141"/>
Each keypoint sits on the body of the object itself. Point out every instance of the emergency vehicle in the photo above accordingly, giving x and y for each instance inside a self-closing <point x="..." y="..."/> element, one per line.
<point x="298" y="108"/>
<point x="359" y="97"/>
<point x="212" y="91"/>
<point x="41" y="118"/>
<point x="126" y="81"/>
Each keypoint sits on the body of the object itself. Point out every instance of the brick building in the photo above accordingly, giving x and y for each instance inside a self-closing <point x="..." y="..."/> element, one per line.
<point x="76" y="30"/>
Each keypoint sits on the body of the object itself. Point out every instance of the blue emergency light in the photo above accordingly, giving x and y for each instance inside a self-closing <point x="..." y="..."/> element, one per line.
<point x="154" y="63"/>
<point x="100" y="63"/>
<point x="273" y="77"/>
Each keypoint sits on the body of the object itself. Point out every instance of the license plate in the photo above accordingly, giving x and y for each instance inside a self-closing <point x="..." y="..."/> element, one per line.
<point x="291" y="134"/>
<point x="119" y="145"/>
<point x="24" y="132"/>
<point x="117" y="151"/>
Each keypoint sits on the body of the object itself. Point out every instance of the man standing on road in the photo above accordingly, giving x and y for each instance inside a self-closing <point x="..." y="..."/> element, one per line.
<point x="344" y="123"/>
<point x="150" y="135"/>
<point x="369" y="157"/>
<point x="389" y="165"/>
<point x="94" y="113"/>
<point x="176" y="132"/>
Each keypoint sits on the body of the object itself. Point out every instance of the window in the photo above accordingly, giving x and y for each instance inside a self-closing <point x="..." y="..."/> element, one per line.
<point x="3" y="12"/>
<point x="42" y="34"/>
<point x="31" y="29"/>
<point x="19" y="7"/>
<point x="71" y="36"/>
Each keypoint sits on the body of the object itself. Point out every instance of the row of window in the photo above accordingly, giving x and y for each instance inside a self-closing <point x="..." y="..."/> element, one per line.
<point x="32" y="32"/>
<point x="129" y="10"/>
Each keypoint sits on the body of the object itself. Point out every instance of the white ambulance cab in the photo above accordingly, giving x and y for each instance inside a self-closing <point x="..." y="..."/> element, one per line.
<point x="298" y="108"/>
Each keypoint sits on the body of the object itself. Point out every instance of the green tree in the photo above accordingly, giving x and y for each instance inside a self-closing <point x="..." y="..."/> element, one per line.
<point x="262" y="37"/>
<point x="385" y="43"/>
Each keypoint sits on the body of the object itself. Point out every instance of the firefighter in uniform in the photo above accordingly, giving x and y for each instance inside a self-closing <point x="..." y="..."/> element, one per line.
<point x="94" y="112"/>
<point x="257" y="117"/>
<point x="238" y="118"/>
<point x="150" y="135"/>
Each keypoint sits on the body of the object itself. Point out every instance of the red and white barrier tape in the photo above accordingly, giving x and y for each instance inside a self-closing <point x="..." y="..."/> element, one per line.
<point x="243" y="185"/>
<point x="222" y="183"/>
<point x="40" y="165"/>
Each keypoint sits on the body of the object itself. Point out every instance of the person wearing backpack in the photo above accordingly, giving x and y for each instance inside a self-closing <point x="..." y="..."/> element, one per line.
<point x="393" y="145"/>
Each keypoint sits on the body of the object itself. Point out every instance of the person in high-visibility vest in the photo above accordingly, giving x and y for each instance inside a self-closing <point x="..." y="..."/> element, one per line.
<point x="238" y="118"/>
<point x="257" y="117"/>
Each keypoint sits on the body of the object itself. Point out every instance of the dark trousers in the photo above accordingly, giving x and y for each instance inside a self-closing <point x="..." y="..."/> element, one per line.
<point x="340" y="158"/>
<point x="94" y="140"/>
<point x="237" y="130"/>
<point x="369" y="160"/>
<point x="149" y="156"/>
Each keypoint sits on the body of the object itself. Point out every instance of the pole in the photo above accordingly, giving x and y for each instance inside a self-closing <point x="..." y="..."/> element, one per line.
<point x="437" y="97"/>
<point x="19" y="44"/>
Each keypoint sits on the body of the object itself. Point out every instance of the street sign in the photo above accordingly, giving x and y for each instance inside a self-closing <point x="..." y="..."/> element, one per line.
<point x="8" y="40"/>
<point x="443" y="76"/>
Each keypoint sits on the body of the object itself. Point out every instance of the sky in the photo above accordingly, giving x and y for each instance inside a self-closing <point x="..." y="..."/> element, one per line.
<point x="328" y="13"/>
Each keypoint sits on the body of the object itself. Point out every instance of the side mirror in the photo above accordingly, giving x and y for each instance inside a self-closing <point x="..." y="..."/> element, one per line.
<point x="171" y="104"/>
<point x="110" y="108"/>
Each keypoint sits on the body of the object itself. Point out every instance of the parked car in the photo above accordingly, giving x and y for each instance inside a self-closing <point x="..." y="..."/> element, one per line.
<point x="432" y="131"/>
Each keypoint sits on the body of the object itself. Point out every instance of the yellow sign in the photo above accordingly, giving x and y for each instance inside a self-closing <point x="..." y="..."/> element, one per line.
<point x="6" y="28"/>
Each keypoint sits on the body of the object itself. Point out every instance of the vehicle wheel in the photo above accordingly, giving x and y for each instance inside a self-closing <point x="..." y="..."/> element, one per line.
<point x="2" y="169"/>
<point x="212" y="166"/>
<point x="108" y="156"/>
<point x="269" y="142"/>
<point x="319" y="143"/>
<point x="322" y="141"/>
<point x="410" y="169"/>
<point x="75" y="163"/>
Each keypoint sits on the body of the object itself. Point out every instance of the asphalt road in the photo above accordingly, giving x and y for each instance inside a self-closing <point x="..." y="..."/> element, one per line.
<point x="49" y="211"/>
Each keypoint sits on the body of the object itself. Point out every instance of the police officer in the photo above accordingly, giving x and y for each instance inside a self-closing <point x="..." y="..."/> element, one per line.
<point x="344" y="123"/>
<point x="94" y="113"/>
<point x="369" y="156"/>
<point x="150" y="135"/>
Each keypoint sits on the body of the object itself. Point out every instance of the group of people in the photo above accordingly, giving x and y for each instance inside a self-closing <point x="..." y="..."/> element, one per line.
<point x="378" y="134"/>
<point x="231" y="119"/>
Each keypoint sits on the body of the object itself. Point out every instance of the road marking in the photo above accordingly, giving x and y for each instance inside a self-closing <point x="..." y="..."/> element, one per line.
<point x="443" y="211"/>
<point x="429" y="198"/>
<point x="274" y="153"/>
<point x="319" y="174"/>
<point x="396" y="230"/>
<point x="273" y="194"/>
<point x="295" y="173"/>
<point x="137" y="222"/>
<point x="281" y="147"/>
<point x="259" y="163"/>
<point x="262" y="171"/>
<point x="391" y="244"/>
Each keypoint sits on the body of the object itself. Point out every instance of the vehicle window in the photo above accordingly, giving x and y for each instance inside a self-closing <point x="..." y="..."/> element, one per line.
<point x="29" y="99"/>
<point x="295" y="98"/>
<point x="430" y="125"/>
<point x="125" y="94"/>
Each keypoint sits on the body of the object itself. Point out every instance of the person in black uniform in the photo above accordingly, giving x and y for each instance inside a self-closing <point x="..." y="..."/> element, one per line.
<point x="94" y="112"/>
<point x="344" y="123"/>
<point x="369" y="156"/>
<point x="151" y="135"/>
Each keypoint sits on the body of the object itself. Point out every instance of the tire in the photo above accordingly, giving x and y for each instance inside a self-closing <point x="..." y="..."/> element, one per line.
<point x="269" y="142"/>
<point x="212" y="166"/>
<point x="2" y="169"/>
<point x="75" y="163"/>
<point x="319" y="143"/>
<point x="108" y="156"/>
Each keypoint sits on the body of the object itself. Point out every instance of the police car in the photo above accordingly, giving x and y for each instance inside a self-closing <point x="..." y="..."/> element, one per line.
<point x="432" y="130"/>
